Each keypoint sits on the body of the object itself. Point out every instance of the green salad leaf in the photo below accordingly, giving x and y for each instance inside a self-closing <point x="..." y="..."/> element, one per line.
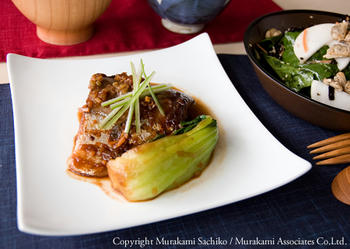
<point x="346" y="71"/>
<point x="295" y="75"/>
<point x="269" y="43"/>
<point x="288" y="54"/>
<point x="319" y="54"/>
<point x="320" y="70"/>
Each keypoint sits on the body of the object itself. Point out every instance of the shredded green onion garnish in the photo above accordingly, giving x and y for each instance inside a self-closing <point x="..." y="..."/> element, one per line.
<point x="128" y="121"/>
<point x="156" y="89"/>
<point x="136" y="82"/>
<point x="156" y="100"/>
<point x="109" y="117"/>
<point x="137" y="116"/>
<point x="119" y="103"/>
<point x="130" y="101"/>
<point x="109" y="124"/>
<point x="151" y="90"/>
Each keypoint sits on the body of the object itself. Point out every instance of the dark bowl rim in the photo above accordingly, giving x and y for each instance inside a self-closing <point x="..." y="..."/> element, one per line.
<point x="266" y="72"/>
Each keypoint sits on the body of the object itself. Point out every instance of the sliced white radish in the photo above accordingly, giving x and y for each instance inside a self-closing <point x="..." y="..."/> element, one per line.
<point x="311" y="39"/>
<point x="320" y="93"/>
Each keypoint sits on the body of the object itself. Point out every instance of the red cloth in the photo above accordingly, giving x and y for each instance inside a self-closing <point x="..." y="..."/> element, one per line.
<point x="125" y="26"/>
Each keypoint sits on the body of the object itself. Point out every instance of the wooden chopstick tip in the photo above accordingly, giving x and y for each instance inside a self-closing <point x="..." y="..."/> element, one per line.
<point x="311" y="146"/>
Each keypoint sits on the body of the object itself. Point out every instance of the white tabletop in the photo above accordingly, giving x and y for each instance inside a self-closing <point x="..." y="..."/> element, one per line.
<point x="339" y="6"/>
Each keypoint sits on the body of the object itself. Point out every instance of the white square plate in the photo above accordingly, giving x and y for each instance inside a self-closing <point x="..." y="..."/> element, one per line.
<point x="46" y="95"/>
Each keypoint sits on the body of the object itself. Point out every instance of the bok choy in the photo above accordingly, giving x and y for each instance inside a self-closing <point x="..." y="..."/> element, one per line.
<point x="147" y="170"/>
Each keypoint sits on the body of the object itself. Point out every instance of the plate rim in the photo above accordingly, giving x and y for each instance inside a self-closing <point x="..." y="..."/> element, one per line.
<point x="27" y="228"/>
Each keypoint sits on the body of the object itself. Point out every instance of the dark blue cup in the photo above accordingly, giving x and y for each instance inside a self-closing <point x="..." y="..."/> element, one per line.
<point x="187" y="16"/>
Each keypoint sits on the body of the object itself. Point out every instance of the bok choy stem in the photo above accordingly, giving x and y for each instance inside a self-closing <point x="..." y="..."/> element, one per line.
<point x="165" y="163"/>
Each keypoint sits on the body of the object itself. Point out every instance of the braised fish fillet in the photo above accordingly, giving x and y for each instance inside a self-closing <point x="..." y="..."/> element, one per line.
<point x="94" y="147"/>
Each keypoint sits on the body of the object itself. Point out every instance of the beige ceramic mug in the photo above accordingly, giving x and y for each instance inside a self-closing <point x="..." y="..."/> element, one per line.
<point x="63" y="22"/>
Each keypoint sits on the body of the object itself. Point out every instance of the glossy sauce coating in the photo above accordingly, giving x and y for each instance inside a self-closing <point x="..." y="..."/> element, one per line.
<point x="104" y="183"/>
<point x="94" y="147"/>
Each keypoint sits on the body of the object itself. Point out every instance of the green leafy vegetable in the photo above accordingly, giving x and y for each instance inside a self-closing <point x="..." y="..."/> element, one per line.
<point x="320" y="70"/>
<point x="269" y="43"/>
<point x="318" y="56"/>
<point x="158" y="137"/>
<point x="346" y="71"/>
<point x="288" y="42"/>
<point x="189" y="125"/>
<point x="295" y="75"/>
<point x="146" y="171"/>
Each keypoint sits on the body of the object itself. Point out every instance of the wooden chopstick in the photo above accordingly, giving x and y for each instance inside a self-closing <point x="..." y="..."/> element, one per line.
<point x="329" y="140"/>
<point x="335" y="160"/>
<point x="333" y="146"/>
<point x="333" y="153"/>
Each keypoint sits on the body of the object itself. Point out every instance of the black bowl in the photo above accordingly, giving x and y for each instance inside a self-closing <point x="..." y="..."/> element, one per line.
<point x="298" y="104"/>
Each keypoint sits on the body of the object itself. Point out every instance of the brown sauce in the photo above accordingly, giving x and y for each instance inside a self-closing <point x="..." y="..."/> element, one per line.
<point x="199" y="108"/>
<point x="104" y="183"/>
